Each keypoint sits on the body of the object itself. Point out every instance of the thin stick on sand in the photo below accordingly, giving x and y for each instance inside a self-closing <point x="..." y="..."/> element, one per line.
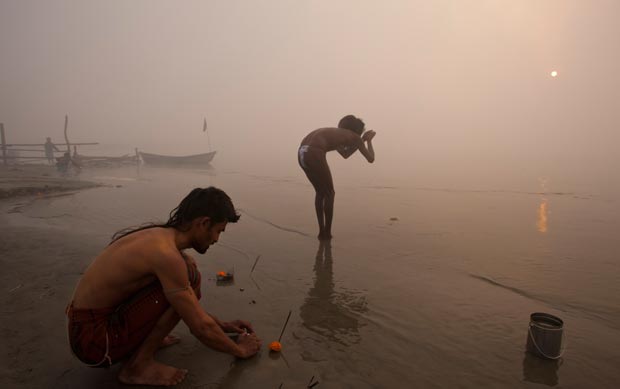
<point x="257" y="287"/>
<point x="255" y="262"/>
<point x="285" y="323"/>
<point x="15" y="288"/>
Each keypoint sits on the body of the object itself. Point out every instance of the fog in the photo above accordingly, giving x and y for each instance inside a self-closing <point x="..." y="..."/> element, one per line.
<point x="457" y="91"/>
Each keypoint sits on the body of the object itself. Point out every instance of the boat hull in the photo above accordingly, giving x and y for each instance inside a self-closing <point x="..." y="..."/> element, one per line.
<point x="171" y="160"/>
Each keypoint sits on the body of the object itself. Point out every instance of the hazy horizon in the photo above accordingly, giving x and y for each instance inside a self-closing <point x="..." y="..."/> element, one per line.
<point x="451" y="88"/>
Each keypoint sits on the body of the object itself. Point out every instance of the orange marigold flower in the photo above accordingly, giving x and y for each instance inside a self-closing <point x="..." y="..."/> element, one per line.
<point x="275" y="346"/>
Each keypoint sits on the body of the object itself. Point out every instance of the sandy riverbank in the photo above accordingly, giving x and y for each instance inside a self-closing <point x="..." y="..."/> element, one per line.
<point x="32" y="180"/>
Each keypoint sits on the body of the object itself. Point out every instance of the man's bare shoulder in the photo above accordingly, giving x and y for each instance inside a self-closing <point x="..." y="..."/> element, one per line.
<point x="146" y="236"/>
<point x="339" y="137"/>
<point x="328" y="131"/>
<point x="161" y="244"/>
<point x="154" y="244"/>
<point x="330" y="138"/>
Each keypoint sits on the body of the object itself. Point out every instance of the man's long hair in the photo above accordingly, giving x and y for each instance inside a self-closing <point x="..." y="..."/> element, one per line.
<point x="211" y="202"/>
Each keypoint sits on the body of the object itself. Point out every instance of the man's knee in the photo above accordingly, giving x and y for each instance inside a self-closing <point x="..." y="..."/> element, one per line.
<point x="197" y="292"/>
<point x="326" y="192"/>
<point x="195" y="279"/>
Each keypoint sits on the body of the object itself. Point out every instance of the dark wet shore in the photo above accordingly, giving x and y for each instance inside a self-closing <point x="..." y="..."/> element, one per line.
<point x="34" y="180"/>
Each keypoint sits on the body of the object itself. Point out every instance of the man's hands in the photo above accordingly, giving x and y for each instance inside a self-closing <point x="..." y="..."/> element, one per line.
<point x="368" y="135"/>
<point x="248" y="344"/>
<point x="238" y="326"/>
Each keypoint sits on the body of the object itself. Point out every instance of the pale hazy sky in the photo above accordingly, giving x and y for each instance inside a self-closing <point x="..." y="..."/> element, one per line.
<point x="445" y="84"/>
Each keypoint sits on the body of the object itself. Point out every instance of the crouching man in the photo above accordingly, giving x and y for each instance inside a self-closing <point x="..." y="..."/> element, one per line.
<point x="136" y="291"/>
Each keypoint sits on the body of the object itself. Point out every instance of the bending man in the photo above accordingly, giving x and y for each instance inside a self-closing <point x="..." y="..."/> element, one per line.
<point x="346" y="139"/>
<point x="136" y="291"/>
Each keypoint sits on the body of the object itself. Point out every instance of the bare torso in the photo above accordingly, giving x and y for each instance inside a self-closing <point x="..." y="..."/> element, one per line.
<point x="331" y="138"/>
<point x="123" y="268"/>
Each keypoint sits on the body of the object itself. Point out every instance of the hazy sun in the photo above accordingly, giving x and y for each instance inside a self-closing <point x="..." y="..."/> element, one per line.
<point x="554" y="73"/>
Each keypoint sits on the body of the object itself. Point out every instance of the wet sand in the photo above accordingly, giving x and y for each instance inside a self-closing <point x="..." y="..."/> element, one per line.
<point x="440" y="297"/>
<point x="37" y="180"/>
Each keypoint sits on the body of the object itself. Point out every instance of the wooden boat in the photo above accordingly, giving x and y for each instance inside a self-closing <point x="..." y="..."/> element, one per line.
<point x="172" y="160"/>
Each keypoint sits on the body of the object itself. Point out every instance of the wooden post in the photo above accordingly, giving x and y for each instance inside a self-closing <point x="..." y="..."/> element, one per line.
<point x="3" y="143"/>
<point x="67" y="138"/>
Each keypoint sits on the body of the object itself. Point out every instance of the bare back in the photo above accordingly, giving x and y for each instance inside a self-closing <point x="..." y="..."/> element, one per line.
<point x="124" y="267"/>
<point x="331" y="138"/>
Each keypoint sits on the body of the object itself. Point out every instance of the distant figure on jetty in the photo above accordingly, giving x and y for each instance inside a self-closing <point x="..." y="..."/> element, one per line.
<point x="346" y="139"/>
<point x="136" y="291"/>
<point x="49" y="150"/>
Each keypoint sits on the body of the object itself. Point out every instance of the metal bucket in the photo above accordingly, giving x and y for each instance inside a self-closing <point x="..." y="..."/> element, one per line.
<point x="545" y="335"/>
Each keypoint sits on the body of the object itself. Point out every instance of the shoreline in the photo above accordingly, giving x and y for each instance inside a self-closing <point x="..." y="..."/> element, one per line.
<point x="35" y="180"/>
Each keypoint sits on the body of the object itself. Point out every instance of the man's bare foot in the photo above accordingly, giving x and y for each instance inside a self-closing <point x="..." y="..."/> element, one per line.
<point x="169" y="340"/>
<point x="151" y="373"/>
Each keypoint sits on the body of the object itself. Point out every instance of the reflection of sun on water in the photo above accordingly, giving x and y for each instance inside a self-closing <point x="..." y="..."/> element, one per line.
<point x="542" y="208"/>
<point x="542" y="216"/>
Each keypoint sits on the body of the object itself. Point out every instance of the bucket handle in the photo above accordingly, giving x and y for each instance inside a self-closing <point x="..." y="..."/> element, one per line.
<point x="529" y="330"/>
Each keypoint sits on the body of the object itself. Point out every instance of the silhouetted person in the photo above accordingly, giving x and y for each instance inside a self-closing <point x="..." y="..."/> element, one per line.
<point x="49" y="150"/>
<point x="345" y="139"/>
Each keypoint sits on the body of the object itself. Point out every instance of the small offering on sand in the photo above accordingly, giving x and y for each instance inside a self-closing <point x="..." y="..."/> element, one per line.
<point x="224" y="276"/>
<point x="275" y="346"/>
